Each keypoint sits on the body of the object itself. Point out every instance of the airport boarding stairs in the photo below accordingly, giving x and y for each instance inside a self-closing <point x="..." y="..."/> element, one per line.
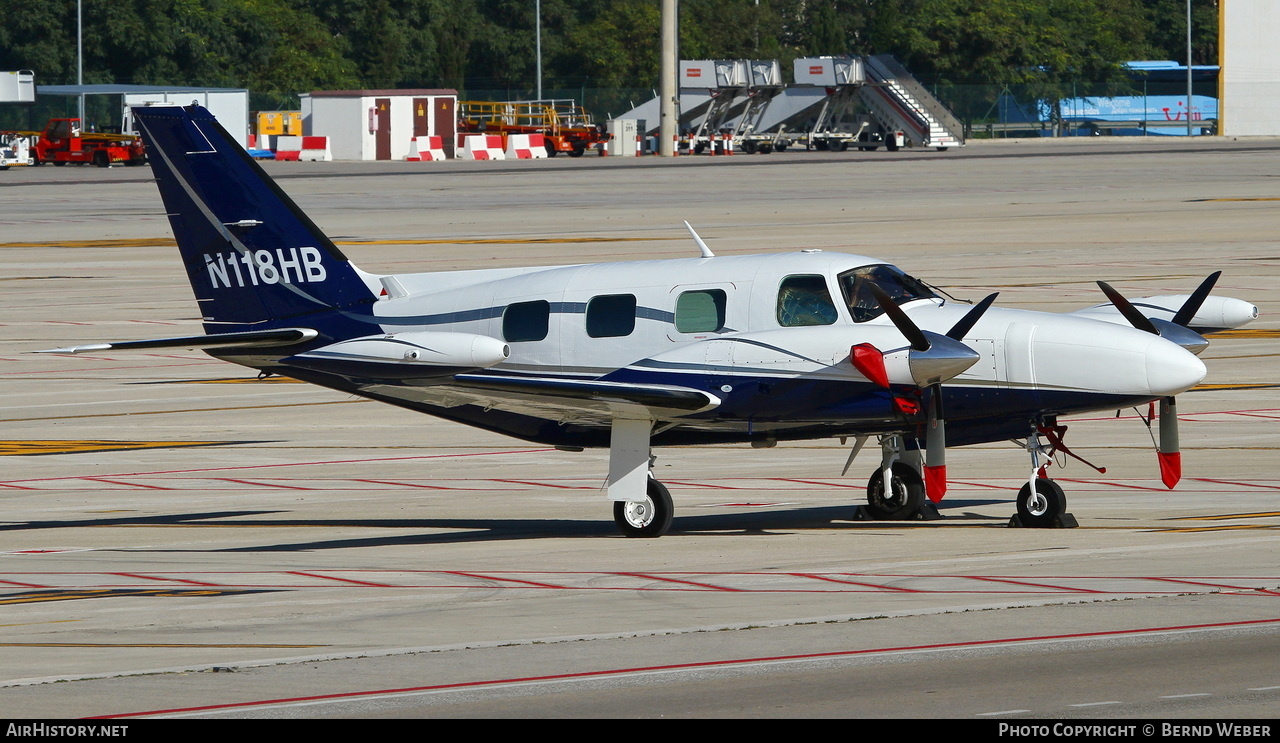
<point x="900" y="102"/>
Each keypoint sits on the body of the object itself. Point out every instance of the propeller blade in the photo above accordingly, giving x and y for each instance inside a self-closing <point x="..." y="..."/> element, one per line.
<point x="958" y="331"/>
<point x="900" y="320"/>
<point x="1131" y="313"/>
<point x="1170" y="453"/>
<point x="1192" y="305"/>
<point x="935" y="448"/>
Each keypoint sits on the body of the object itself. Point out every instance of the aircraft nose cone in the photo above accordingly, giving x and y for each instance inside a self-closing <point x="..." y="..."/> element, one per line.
<point x="1172" y="369"/>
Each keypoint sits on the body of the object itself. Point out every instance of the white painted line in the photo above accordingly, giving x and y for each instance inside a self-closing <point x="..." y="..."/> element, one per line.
<point x="1095" y="704"/>
<point x="1005" y="712"/>
<point x="1184" y="696"/>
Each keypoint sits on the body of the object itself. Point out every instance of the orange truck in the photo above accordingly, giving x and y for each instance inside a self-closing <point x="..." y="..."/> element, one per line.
<point x="62" y="142"/>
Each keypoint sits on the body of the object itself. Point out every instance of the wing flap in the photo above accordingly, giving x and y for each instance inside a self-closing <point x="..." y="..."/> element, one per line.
<point x="582" y="399"/>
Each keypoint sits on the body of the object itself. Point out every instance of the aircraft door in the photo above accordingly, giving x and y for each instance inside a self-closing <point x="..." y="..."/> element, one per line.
<point x="382" y="136"/>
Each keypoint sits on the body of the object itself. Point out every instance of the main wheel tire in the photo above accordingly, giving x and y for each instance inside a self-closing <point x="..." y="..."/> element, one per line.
<point x="1042" y="510"/>
<point x="906" y="493"/>
<point x="649" y="518"/>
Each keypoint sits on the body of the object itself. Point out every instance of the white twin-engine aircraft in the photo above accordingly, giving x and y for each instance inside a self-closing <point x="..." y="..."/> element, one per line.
<point x="755" y="348"/>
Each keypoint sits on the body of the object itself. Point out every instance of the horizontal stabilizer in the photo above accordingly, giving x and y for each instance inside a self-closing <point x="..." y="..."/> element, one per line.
<point x="279" y="337"/>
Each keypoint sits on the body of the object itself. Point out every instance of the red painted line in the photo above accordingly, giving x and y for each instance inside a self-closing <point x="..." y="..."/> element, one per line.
<point x="289" y="464"/>
<point x="703" y="485"/>
<point x="829" y="579"/>
<point x="818" y="482"/>
<point x="261" y="484"/>
<point x="987" y="485"/>
<point x="127" y="484"/>
<point x="340" y="580"/>
<point x="79" y="369"/>
<point x="24" y="585"/>
<point x="1258" y="415"/>
<point x="167" y="580"/>
<point x="713" y="587"/>
<point x="546" y="484"/>
<point x="408" y="484"/>
<point x="1036" y="585"/>
<point x="1188" y="582"/>
<point x="1236" y="482"/>
<point x="684" y="666"/>
<point x="1112" y="483"/>
<point x="535" y="584"/>
<point x="18" y="487"/>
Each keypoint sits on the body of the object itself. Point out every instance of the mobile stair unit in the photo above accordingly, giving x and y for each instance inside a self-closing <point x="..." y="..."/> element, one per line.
<point x="903" y="105"/>
<point x="839" y="121"/>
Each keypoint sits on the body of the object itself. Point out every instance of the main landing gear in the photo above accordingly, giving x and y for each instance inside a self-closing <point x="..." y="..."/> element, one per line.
<point x="648" y="518"/>
<point x="901" y="500"/>
<point x="904" y="499"/>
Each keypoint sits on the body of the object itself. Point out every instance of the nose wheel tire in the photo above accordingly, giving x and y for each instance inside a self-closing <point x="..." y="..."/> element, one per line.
<point x="648" y="518"/>
<point x="904" y="497"/>
<point x="1044" y="507"/>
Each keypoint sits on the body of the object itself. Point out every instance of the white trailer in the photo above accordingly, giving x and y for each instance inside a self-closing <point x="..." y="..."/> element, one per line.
<point x="230" y="106"/>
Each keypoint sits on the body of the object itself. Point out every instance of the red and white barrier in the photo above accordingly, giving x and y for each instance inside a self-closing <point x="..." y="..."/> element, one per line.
<point x="288" y="148"/>
<point x="482" y="147"/>
<point x="526" y="146"/>
<point x="316" y="150"/>
<point x="426" y="148"/>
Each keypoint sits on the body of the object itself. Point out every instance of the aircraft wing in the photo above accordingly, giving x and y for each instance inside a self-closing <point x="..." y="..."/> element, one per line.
<point x="279" y="337"/>
<point x="578" y="401"/>
<point x="582" y="400"/>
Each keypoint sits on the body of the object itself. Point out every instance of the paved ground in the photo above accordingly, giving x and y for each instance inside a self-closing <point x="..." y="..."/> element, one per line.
<point x="178" y="535"/>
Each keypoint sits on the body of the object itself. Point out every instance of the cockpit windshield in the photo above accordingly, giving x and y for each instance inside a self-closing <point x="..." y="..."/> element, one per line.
<point x="901" y="288"/>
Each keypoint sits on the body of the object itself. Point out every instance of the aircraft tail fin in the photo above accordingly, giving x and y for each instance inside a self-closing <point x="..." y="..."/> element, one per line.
<point x="253" y="258"/>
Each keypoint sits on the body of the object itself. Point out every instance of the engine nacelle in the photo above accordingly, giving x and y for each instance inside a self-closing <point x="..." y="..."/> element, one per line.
<point x="405" y="355"/>
<point x="1216" y="313"/>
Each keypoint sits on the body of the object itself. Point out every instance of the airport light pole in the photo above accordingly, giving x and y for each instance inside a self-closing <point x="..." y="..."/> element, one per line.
<point x="1188" y="68"/>
<point x="537" y="30"/>
<point x="80" y="57"/>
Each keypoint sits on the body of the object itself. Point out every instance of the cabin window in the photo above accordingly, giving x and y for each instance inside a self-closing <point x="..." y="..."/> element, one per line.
<point x="611" y="315"/>
<point x="700" y="311"/>
<point x="804" y="300"/>
<point x="526" y="321"/>
<point x="898" y="286"/>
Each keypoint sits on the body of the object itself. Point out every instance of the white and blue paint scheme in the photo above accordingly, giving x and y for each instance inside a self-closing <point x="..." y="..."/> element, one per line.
<point x="752" y="349"/>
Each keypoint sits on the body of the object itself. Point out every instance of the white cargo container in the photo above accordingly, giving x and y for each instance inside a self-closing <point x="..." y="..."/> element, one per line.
<point x="229" y="105"/>
<point x="18" y="87"/>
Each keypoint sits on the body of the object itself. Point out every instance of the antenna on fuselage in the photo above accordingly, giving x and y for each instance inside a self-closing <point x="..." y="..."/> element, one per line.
<point x="706" y="252"/>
